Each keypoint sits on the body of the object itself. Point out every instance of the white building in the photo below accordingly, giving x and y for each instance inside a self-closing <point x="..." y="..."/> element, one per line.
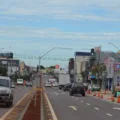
<point x="80" y="64"/>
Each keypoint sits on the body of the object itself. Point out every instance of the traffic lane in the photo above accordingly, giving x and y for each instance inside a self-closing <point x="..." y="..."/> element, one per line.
<point x="65" y="107"/>
<point x="19" y="92"/>
<point x="104" y="105"/>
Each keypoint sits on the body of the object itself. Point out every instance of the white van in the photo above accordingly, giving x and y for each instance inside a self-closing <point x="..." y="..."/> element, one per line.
<point x="20" y="81"/>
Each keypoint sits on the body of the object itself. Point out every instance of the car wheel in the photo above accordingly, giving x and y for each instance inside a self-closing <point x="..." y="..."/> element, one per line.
<point x="83" y="93"/>
<point x="71" y="93"/>
<point x="8" y="104"/>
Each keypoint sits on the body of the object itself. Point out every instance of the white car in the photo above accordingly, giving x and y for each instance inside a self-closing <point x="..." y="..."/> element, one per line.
<point x="55" y="84"/>
<point x="47" y="84"/>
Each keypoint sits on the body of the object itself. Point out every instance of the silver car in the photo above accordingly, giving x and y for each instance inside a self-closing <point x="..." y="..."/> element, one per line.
<point x="6" y="91"/>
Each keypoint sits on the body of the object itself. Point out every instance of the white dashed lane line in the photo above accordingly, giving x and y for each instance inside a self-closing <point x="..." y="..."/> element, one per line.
<point x="82" y="101"/>
<point x="88" y="104"/>
<point x="96" y="108"/>
<point x="109" y="114"/>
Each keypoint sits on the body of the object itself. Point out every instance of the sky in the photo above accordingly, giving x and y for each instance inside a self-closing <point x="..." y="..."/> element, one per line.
<point x="30" y="28"/>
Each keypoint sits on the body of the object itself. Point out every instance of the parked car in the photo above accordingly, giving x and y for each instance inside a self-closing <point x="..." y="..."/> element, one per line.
<point x="67" y="87"/>
<point x="77" y="88"/>
<point x="28" y="84"/>
<point x="86" y="86"/>
<point x="47" y="84"/>
<point x="94" y="87"/>
<point x="6" y="91"/>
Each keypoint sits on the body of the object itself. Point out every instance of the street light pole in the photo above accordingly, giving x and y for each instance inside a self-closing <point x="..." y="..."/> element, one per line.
<point x="46" y="54"/>
<point x="40" y="64"/>
<point x="115" y="46"/>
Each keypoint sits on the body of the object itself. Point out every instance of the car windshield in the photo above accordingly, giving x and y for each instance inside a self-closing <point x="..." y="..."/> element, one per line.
<point x="4" y="83"/>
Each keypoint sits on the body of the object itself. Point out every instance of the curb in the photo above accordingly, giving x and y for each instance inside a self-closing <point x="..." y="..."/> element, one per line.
<point x="105" y="99"/>
<point x="24" y="111"/>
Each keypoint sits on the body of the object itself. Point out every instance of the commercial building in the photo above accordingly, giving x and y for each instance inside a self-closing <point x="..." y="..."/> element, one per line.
<point x="81" y="59"/>
<point x="11" y="64"/>
<point x="112" y="73"/>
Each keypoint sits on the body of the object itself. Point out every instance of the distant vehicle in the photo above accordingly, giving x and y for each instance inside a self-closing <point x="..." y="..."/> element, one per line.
<point x="28" y="84"/>
<point x="94" y="87"/>
<point x="55" y="84"/>
<point x="77" y="88"/>
<point x="20" y="81"/>
<point x="63" y="79"/>
<point x="47" y="84"/>
<point x="13" y="84"/>
<point x="67" y="87"/>
<point x="6" y="91"/>
<point x="52" y="80"/>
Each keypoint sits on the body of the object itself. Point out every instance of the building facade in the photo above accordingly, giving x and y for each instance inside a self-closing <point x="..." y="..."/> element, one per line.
<point x="81" y="58"/>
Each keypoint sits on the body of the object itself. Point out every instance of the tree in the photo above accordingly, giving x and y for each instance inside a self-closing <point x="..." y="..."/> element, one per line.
<point x="41" y="67"/>
<point x="98" y="69"/>
<point x="52" y="67"/>
<point x="3" y="71"/>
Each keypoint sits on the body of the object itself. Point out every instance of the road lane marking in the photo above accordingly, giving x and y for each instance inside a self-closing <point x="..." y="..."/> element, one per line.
<point x="115" y="108"/>
<point x="51" y="108"/>
<point x="76" y="98"/>
<point x="109" y="114"/>
<point x="96" y="108"/>
<point x="82" y="101"/>
<point x="88" y="104"/>
<point x="73" y="107"/>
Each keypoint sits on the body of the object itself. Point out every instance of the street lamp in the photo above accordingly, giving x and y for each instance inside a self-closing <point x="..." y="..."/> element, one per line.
<point x="114" y="46"/>
<point x="49" y="52"/>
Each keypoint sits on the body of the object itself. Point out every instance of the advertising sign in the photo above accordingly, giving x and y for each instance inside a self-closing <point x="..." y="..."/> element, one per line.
<point x="117" y="66"/>
<point x="110" y="67"/>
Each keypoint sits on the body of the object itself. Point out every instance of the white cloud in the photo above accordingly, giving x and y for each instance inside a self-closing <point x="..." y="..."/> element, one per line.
<point x="61" y="9"/>
<point x="54" y="33"/>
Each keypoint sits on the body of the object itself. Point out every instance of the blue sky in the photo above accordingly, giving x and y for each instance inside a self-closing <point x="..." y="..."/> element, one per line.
<point x="32" y="27"/>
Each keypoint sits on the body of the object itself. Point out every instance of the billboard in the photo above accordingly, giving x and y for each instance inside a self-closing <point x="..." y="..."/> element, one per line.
<point x="57" y="67"/>
<point x="117" y="66"/>
<point x="109" y="62"/>
<point x="6" y="55"/>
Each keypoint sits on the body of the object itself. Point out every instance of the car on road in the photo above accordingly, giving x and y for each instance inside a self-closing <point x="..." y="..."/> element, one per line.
<point x="47" y="84"/>
<point x="77" y="88"/>
<point x="67" y="87"/>
<point x="28" y="84"/>
<point x="6" y="91"/>
<point x="94" y="87"/>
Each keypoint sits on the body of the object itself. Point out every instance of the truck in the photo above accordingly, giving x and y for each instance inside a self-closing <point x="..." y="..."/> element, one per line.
<point x="63" y="79"/>
<point x="20" y="81"/>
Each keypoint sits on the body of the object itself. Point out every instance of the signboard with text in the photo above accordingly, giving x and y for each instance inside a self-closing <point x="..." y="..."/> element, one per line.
<point x="109" y="62"/>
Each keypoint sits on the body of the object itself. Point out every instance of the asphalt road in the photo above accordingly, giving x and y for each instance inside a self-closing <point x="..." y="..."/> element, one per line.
<point x="85" y="108"/>
<point x="19" y="92"/>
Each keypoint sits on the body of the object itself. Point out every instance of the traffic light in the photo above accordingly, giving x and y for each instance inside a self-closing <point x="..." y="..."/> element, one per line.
<point x="92" y="51"/>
